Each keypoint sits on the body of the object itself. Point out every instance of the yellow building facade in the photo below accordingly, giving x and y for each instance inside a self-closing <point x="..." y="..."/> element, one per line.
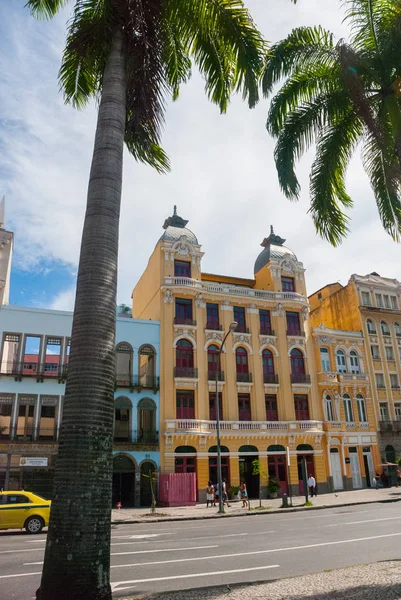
<point x="268" y="390"/>
<point x="370" y="304"/>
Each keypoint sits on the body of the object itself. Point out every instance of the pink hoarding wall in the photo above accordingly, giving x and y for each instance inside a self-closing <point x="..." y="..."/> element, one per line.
<point x="177" y="489"/>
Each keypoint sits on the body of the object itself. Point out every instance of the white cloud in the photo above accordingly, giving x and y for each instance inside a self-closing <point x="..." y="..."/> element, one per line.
<point x="223" y="180"/>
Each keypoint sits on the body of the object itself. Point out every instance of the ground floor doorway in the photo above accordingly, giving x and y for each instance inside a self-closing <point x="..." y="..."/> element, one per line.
<point x="123" y="481"/>
<point x="246" y="470"/>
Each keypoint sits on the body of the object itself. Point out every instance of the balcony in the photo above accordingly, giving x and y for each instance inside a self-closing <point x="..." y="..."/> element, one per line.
<point x="270" y="378"/>
<point x="184" y="321"/>
<point x="300" y="378"/>
<point x="228" y="427"/>
<point x="211" y="376"/>
<point x="146" y="382"/>
<point x="333" y="426"/>
<point x="40" y="435"/>
<point x="244" y="377"/>
<point x="241" y="329"/>
<point x="233" y="290"/>
<point x="266" y="330"/>
<point x="213" y="326"/>
<point x="38" y="370"/>
<point x="186" y="372"/>
<point x="295" y="333"/>
<point x="386" y="426"/>
<point x="352" y="376"/>
<point x="137" y="439"/>
<point x="327" y="377"/>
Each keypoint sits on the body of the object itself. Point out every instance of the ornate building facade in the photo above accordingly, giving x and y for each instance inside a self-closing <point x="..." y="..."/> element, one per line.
<point x="268" y="390"/>
<point x="371" y="304"/>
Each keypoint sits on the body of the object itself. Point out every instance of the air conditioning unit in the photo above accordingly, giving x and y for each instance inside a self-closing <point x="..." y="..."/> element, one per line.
<point x="124" y="414"/>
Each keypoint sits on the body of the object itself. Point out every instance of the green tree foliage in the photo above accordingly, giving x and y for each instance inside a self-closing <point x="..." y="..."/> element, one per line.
<point x="339" y="95"/>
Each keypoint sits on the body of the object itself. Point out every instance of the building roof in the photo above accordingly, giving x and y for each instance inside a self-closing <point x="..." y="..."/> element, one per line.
<point x="375" y="279"/>
<point x="272" y="248"/>
<point x="175" y="227"/>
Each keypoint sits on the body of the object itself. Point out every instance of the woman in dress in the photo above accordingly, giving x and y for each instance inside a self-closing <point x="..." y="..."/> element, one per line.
<point x="209" y="494"/>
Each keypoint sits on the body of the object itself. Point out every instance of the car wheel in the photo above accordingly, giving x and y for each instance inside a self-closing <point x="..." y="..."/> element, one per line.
<point x="34" y="525"/>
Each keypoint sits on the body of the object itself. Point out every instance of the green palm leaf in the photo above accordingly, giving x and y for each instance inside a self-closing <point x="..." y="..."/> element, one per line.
<point x="45" y="8"/>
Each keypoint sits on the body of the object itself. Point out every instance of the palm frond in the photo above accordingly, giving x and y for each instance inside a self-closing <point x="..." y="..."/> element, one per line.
<point x="370" y="21"/>
<point x="45" y="8"/>
<point x="303" y="47"/>
<point x="327" y="181"/>
<point x="300" y="88"/>
<point x="175" y="57"/>
<point x="302" y="127"/>
<point x="226" y="26"/>
<point x="384" y="174"/>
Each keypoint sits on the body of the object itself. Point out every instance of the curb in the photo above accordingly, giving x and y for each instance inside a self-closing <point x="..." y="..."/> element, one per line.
<point x="252" y="513"/>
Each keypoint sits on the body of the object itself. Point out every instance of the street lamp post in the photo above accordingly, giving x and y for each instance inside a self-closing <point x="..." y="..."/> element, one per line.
<point x="233" y="327"/>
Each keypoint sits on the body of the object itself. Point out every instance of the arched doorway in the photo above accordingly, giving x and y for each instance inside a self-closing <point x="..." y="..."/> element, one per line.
<point x="304" y="457"/>
<point x="247" y="455"/>
<point x="146" y="421"/>
<point x="225" y="464"/>
<point x="123" y="481"/>
<point x="336" y="471"/>
<point x="277" y="467"/>
<point x="122" y="419"/>
<point x="148" y="470"/>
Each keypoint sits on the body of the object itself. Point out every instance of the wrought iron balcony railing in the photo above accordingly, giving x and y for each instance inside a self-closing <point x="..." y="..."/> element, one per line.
<point x="244" y="377"/>
<point x="186" y="372"/>
<point x="270" y="378"/>
<point x="184" y="321"/>
<point x="266" y="330"/>
<point x="214" y="325"/>
<point x="212" y="375"/>
<point x="300" y="378"/>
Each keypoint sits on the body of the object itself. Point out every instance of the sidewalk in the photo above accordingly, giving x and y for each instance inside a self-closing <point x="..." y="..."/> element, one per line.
<point x="377" y="581"/>
<point x="183" y="513"/>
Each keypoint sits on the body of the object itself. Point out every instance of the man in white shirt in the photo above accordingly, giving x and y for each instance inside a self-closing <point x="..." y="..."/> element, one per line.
<point x="312" y="486"/>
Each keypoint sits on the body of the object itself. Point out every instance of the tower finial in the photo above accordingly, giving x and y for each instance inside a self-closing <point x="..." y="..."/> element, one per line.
<point x="271" y="230"/>
<point x="175" y="210"/>
<point x="2" y="209"/>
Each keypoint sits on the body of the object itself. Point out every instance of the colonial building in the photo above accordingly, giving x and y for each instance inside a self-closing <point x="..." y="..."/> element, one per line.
<point x="349" y="416"/>
<point x="267" y="388"/>
<point x="6" y="252"/>
<point x="370" y="304"/>
<point x="34" y="355"/>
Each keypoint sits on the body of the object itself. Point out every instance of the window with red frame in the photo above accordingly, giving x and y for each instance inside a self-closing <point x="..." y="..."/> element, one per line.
<point x="212" y="406"/>
<point x="184" y="355"/>
<point x="297" y="362"/>
<point x="212" y="316"/>
<point x="183" y="311"/>
<point x="301" y="407"/>
<point x="185" y="406"/>
<point x="264" y="322"/>
<point x="239" y="317"/>
<point x="293" y="326"/>
<point x="241" y="359"/>
<point x="268" y="366"/>
<point x="244" y="407"/>
<point x="271" y="407"/>
<point x="287" y="284"/>
<point x="182" y="268"/>
<point x="213" y="361"/>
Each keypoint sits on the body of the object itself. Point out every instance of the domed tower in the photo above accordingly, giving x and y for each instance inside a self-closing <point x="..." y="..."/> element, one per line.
<point x="277" y="267"/>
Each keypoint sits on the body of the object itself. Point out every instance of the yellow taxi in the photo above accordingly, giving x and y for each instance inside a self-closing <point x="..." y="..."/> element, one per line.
<point x="23" y="510"/>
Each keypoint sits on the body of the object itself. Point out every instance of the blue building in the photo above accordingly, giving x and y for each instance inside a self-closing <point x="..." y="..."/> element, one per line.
<point x="34" y="358"/>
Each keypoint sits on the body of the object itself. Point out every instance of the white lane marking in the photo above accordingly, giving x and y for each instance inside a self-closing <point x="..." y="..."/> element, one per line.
<point x="163" y="550"/>
<point x="147" y="552"/>
<point x="120" y="589"/>
<point x="187" y="576"/>
<point x="19" y="575"/>
<point x="13" y="551"/>
<point x="371" y="520"/>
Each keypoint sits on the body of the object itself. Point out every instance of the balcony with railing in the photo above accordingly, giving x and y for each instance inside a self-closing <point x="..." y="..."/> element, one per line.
<point x="300" y="378"/>
<point x="201" y="427"/>
<point x="40" y="371"/>
<point x="137" y="438"/>
<point x="235" y="290"/>
<point x="30" y="434"/>
<point x="244" y="377"/>
<point x="241" y="329"/>
<point x="213" y="326"/>
<point x="184" y="321"/>
<point x="327" y="377"/>
<point x="186" y="372"/>
<point x="211" y="375"/>
<point x="293" y="332"/>
<point x="352" y="376"/>
<point x="266" y="330"/>
<point x="387" y="426"/>
<point x="270" y="378"/>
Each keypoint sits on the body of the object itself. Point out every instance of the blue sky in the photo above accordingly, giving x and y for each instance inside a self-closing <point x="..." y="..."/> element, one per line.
<point x="223" y="179"/>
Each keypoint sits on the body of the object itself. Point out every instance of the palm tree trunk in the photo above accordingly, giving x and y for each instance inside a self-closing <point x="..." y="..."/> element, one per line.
<point x="77" y="558"/>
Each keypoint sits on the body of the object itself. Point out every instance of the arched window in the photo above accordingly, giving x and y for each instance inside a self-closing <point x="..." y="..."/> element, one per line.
<point x="397" y="329"/>
<point x="341" y="364"/>
<point x="213" y="361"/>
<point x="325" y="359"/>
<point x="348" y="413"/>
<point x="147" y="360"/>
<point x="361" y="409"/>
<point x="241" y="360"/>
<point x="297" y="362"/>
<point x="122" y="419"/>
<point x="385" y="328"/>
<point x="371" y="325"/>
<point x="184" y="359"/>
<point x="329" y="408"/>
<point x="123" y="364"/>
<point x="353" y="357"/>
<point x="268" y="366"/>
<point x="147" y="421"/>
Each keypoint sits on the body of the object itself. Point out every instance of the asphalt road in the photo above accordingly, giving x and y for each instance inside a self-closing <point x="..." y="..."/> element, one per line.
<point x="157" y="557"/>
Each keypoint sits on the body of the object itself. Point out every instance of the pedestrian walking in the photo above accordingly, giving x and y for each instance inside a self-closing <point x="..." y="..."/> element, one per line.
<point x="312" y="485"/>
<point x="225" y="495"/>
<point x="244" y="495"/>
<point x="216" y="494"/>
<point x="377" y="481"/>
<point x="209" y="494"/>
